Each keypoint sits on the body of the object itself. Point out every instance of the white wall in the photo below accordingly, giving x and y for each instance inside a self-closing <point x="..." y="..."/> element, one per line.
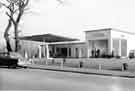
<point x="97" y="34"/>
<point x="122" y="35"/>
<point x="131" y="43"/>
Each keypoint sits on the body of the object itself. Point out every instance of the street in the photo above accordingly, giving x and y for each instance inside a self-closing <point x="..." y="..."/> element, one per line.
<point x="36" y="79"/>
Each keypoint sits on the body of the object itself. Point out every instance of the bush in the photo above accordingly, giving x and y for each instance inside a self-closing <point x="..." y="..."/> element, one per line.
<point x="131" y="55"/>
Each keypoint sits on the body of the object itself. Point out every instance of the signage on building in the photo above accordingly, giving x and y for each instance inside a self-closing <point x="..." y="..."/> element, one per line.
<point x="98" y="34"/>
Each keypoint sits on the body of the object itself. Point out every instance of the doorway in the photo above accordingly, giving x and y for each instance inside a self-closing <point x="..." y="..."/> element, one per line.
<point x="64" y="52"/>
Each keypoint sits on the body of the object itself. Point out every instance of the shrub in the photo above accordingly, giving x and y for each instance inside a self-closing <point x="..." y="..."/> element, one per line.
<point x="131" y="55"/>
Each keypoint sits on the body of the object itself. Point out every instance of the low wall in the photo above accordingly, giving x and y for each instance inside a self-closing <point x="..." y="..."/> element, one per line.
<point x="88" y="63"/>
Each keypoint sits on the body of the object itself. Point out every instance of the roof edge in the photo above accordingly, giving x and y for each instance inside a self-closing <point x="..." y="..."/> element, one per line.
<point x="108" y="29"/>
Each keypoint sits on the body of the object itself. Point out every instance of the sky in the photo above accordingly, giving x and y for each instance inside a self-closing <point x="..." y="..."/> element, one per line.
<point x="73" y="17"/>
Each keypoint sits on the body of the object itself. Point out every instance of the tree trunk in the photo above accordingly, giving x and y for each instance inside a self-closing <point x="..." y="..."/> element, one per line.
<point x="6" y="36"/>
<point x="16" y="38"/>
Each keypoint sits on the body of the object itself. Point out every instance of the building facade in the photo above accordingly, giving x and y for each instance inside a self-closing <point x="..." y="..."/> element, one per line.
<point x="107" y="41"/>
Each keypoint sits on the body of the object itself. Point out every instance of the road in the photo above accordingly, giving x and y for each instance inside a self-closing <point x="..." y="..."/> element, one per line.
<point x="36" y="79"/>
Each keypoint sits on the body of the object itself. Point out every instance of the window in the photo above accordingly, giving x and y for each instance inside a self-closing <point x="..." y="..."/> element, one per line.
<point x="69" y="52"/>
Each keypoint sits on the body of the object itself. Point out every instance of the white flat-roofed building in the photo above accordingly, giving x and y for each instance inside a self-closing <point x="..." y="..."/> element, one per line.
<point x="106" y="41"/>
<point x="110" y="40"/>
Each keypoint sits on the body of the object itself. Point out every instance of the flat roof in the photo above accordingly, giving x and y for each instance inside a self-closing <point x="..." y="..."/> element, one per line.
<point x="48" y="38"/>
<point x="109" y="29"/>
<point x="68" y="42"/>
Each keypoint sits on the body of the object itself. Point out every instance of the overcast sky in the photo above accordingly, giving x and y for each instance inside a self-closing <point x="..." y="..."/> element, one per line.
<point x="73" y="17"/>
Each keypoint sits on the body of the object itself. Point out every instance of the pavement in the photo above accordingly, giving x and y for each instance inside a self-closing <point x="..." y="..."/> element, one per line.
<point x="47" y="80"/>
<point x="117" y="73"/>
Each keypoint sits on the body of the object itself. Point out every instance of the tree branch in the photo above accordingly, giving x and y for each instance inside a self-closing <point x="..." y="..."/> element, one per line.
<point x="7" y="29"/>
<point x="19" y="16"/>
<point x="26" y="3"/>
<point x="11" y="17"/>
<point x="4" y="5"/>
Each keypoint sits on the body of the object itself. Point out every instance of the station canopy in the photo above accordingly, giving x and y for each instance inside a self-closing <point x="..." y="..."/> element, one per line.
<point x="48" y="38"/>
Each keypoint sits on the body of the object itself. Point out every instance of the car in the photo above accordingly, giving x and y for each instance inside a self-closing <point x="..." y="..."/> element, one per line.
<point x="8" y="61"/>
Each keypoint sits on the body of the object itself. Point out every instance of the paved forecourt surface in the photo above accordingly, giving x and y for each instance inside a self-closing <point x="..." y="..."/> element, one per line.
<point x="35" y="79"/>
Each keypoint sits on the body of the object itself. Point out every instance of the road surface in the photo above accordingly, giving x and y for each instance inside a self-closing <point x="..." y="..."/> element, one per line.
<point x="36" y="79"/>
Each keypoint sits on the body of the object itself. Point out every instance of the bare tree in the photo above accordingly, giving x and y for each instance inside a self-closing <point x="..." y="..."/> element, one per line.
<point x="14" y="10"/>
<point x="6" y="36"/>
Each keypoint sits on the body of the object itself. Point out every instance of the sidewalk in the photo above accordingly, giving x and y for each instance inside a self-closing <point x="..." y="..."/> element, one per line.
<point x="83" y="71"/>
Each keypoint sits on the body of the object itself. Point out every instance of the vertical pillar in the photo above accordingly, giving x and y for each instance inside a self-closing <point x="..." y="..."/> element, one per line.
<point x="110" y="45"/>
<point x="71" y="51"/>
<point x="39" y="51"/>
<point x="47" y="51"/>
<point x="88" y="49"/>
<point x="119" y="47"/>
<point x="68" y="52"/>
<point x="26" y="55"/>
<point x="55" y="51"/>
<point x="80" y="52"/>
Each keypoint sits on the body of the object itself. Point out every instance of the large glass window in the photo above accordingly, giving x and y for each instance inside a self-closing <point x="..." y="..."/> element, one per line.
<point x="123" y="47"/>
<point x="69" y="52"/>
<point x="116" y="47"/>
